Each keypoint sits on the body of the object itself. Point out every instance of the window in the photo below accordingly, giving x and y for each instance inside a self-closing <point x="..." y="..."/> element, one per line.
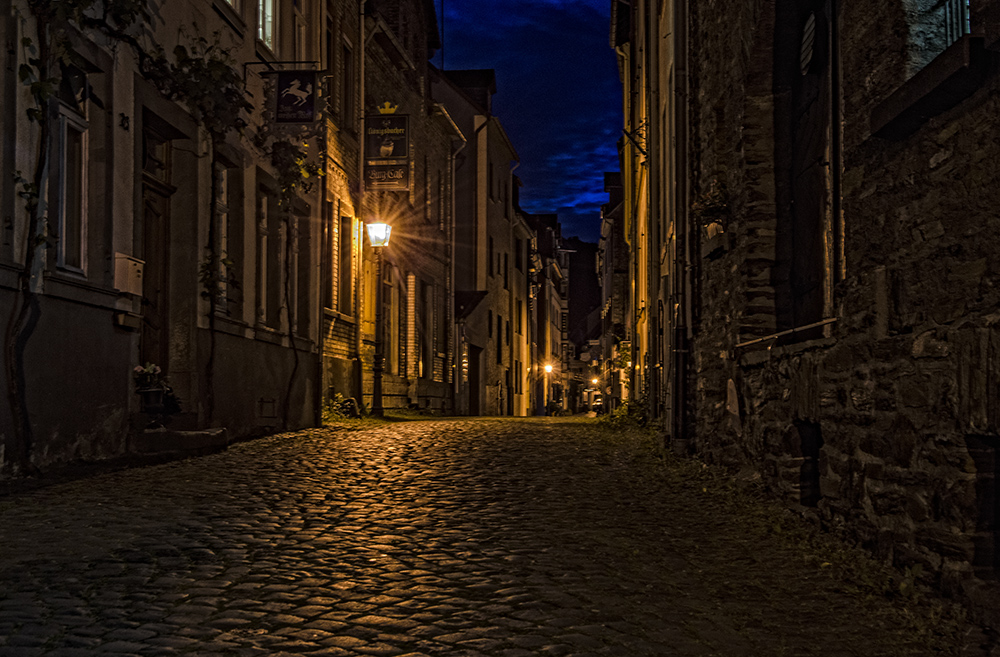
<point x="270" y="251"/>
<point x="427" y="331"/>
<point x="519" y="254"/>
<point x="499" y="339"/>
<point x="303" y="270"/>
<point x="956" y="17"/>
<point x="440" y="200"/>
<point x="300" y="39"/>
<point x="345" y="266"/>
<point x="933" y="26"/>
<point x="72" y="197"/>
<point x="275" y="252"/>
<point x="347" y="100"/>
<point x="267" y="22"/>
<point x="72" y="162"/>
<point x="326" y="282"/>
<point x="490" y="243"/>
<point x="519" y="323"/>
<point x="402" y="327"/>
<point x="389" y="327"/>
<point x="222" y="203"/>
<point x="506" y="271"/>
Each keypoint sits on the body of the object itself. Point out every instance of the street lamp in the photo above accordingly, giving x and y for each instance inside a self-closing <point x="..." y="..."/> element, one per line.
<point x="378" y="235"/>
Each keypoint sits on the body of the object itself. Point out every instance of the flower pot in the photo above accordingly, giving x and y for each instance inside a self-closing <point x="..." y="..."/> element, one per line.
<point x="152" y="399"/>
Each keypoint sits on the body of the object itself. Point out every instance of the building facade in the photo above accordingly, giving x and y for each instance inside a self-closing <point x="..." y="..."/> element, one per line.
<point x="417" y="288"/>
<point x="177" y="240"/>
<point x="203" y="193"/>
<point x="837" y="330"/>
<point x="486" y="249"/>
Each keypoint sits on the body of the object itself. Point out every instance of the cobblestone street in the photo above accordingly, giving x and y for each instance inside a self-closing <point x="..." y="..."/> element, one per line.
<point x="447" y="537"/>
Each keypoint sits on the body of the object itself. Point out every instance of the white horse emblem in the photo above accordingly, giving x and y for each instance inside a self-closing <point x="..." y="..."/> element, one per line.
<point x="300" y="95"/>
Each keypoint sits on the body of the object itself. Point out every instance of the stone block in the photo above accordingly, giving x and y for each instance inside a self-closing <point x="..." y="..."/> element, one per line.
<point x="896" y="444"/>
<point x="917" y="507"/>
<point x="844" y="357"/>
<point x="926" y="345"/>
<point x="914" y="391"/>
<point x="945" y="541"/>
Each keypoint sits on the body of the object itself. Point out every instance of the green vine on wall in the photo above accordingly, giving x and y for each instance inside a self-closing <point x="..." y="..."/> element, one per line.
<point x="296" y="174"/>
<point x="712" y="205"/>
<point x="201" y="77"/>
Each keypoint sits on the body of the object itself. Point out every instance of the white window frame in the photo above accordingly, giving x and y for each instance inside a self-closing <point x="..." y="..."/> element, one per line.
<point x="267" y="23"/>
<point x="71" y="120"/>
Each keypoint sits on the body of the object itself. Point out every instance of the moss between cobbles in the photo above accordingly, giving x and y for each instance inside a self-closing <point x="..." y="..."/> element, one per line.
<point x="896" y="597"/>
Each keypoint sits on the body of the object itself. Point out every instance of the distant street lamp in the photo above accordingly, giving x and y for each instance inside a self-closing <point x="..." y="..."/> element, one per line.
<point x="378" y="235"/>
<point x="548" y="370"/>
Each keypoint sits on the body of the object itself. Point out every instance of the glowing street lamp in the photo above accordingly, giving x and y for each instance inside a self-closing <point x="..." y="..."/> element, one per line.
<point x="548" y="370"/>
<point x="378" y="235"/>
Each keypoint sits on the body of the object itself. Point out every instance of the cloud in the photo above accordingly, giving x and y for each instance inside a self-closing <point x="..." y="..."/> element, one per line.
<point x="558" y="94"/>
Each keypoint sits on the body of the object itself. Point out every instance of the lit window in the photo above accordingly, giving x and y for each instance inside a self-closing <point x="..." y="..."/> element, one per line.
<point x="266" y="24"/>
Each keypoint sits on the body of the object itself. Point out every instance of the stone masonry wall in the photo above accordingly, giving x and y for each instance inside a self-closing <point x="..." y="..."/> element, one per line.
<point x="889" y="427"/>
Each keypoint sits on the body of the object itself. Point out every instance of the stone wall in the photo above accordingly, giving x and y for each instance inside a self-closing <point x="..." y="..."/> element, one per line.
<point x="887" y="426"/>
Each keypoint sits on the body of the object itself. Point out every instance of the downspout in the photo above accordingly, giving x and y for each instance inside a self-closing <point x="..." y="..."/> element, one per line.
<point x="510" y="290"/>
<point x="359" y="211"/>
<point x="457" y="335"/>
<point x="679" y="280"/>
<point x="654" y="348"/>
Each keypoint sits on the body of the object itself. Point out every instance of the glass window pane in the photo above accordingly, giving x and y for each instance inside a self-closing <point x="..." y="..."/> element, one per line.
<point x="73" y="200"/>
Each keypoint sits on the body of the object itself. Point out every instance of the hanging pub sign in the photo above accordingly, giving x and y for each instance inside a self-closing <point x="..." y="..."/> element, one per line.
<point x="296" y="97"/>
<point x="387" y="137"/>
<point x="387" y="152"/>
<point x="388" y="177"/>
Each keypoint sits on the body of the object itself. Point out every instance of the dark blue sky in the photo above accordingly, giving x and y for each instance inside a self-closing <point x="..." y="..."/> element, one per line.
<point x="558" y="95"/>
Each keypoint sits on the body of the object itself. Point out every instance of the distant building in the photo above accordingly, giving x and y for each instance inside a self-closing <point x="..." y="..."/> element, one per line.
<point x="583" y="302"/>
<point x="613" y="263"/>
<point x="484" y="248"/>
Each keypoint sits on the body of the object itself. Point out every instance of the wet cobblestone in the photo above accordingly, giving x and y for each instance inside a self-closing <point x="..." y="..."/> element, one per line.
<point x="448" y="537"/>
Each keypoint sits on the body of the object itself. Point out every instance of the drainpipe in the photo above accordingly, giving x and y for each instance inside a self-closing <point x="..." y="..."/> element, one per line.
<point x="681" y="272"/>
<point x="654" y="346"/>
<point x="510" y="290"/>
<point x="457" y="335"/>
<point x="359" y="211"/>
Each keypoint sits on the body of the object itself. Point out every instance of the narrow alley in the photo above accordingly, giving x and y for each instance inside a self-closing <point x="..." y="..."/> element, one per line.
<point x="542" y="536"/>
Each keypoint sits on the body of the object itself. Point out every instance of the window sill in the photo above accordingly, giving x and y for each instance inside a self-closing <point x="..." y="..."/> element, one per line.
<point x="330" y="313"/>
<point x="950" y="78"/>
<point x="231" y="17"/>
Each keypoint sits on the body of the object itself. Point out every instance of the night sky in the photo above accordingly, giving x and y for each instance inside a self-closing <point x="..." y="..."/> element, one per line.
<point x="558" y="95"/>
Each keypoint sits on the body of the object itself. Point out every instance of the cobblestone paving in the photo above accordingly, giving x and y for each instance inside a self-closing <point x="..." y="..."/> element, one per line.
<point x="450" y="537"/>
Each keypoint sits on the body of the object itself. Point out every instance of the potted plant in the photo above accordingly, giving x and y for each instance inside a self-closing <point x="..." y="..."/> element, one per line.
<point x="150" y="387"/>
